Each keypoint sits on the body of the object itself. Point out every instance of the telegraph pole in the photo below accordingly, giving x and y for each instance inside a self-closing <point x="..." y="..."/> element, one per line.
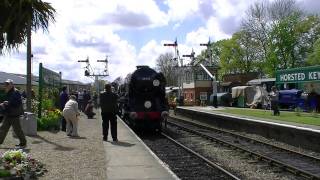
<point x="214" y="79"/>
<point x="191" y="56"/>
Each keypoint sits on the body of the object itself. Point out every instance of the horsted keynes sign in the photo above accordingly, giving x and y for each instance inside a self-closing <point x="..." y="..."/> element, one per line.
<point x="296" y="75"/>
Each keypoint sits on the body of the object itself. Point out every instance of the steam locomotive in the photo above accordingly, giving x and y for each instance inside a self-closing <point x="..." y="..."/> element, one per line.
<point x="144" y="104"/>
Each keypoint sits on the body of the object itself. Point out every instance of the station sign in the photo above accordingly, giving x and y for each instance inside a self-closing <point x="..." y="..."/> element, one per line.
<point x="296" y="75"/>
<point x="51" y="78"/>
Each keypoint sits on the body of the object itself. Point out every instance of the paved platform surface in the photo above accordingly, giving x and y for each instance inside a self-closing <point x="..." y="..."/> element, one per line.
<point x="88" y="157"/>
<point x="213" y="110"/>
<point x="129" y="158"/>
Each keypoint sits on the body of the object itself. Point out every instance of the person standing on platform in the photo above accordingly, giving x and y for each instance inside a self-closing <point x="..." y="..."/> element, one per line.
<point x="89" y="110"/>
<point x="12" y="111"/>
<point x="80" y="100"/>
<point x="274" y="95"/>
<point x="71" y="113"/>
<point x="109" y="109"/>
<point x="64" y="97"/>
<point x="86" y="98"/>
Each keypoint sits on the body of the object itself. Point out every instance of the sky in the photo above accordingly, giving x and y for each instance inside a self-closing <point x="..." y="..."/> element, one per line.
<point x="128" y="33"/>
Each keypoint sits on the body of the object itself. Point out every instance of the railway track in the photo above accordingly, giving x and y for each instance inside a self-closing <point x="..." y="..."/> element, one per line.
<point x="183" y="161"/>
<point x="287" y="160"/>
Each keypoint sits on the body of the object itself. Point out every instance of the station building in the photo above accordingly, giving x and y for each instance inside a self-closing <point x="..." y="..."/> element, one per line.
<point x="197" y="84"/>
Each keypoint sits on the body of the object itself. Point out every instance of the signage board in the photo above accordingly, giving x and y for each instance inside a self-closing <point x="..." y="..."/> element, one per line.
<point x="296" y="75"/>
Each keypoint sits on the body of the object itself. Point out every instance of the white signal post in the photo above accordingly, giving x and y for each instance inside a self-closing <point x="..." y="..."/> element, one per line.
<point x="214" y="81"/>
<point x="180" y="60"/>
<point x="89" y="72"/>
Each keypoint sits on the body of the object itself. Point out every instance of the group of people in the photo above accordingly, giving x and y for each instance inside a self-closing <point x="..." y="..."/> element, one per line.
<point x="12" y="109"/>
<point x="70" y="108"/>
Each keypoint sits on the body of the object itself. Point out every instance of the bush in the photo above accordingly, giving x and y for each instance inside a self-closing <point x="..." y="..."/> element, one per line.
<point x="50" y="120"/>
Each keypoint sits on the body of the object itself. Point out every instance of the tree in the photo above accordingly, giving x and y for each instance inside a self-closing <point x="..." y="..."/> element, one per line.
<point x="168" y="66"/>
<point x="292" y="40"/>
<point x="281" y="9"/>
<point x="283" y="40"/>
<point x="16" y="16"/>
<point x="256" y="26"/>
<point x="314" y="56"/>
<point x="229" y="58"/>
<point x="17" y="19"/>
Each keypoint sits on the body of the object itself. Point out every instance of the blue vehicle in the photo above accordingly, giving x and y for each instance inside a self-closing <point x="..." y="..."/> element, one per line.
<point x="291" y="99"/>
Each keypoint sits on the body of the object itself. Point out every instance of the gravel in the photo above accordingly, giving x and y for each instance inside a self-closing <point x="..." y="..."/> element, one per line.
<point x="65" y="157"/>
<point x="246" y="167"/>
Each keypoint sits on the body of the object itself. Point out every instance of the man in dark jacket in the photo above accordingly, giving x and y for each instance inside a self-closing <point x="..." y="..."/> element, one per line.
<point x="64" y="97"/>
<point x="12" y="111"/>
<point x="109" y="109"/>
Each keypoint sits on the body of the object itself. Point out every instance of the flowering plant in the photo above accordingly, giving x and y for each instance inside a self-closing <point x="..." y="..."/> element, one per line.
<point x="19" y="163"/>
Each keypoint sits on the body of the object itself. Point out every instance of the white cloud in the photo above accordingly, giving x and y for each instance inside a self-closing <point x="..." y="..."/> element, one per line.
<point x="91" y="29"/>
<point x="180" y="9"/>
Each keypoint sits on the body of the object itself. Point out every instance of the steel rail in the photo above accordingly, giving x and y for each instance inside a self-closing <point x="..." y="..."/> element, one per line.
<point x="271" y="161"/>
<point x="212" y="164"/>
<point x="247" y="138"/>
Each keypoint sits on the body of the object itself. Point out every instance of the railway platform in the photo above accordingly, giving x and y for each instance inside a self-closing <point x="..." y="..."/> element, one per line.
<point x="88" y="157"/>
<point x="130" y="158"/>
<point x="300" y="135"/>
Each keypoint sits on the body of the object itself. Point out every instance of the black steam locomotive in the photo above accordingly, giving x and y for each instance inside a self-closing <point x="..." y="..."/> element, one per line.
<point x="144" y="104"/>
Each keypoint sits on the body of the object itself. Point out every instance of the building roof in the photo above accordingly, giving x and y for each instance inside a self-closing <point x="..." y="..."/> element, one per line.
<point x="259" y="81"/>
<point x="64" y="81"/>
<point x="18" y="80"/>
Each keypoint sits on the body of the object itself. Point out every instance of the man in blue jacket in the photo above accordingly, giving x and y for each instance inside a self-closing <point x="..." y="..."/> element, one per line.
<point x="12" y="111"/>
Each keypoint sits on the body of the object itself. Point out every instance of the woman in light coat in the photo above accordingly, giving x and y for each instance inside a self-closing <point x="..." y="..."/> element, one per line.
<point x="71" y="113"/>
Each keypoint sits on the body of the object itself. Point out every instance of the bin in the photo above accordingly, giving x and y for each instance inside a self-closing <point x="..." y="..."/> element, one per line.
<point x="29" y="124"/>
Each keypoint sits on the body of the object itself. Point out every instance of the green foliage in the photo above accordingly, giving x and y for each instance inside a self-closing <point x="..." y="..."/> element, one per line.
<point x="15" y="17"/>
<point x="50" y="116"/>
<point x="4" y="173"/>
<point x="47" y="104"/>
<point x="283" y="40"/>
<point x="51" y="94"/>
<point x="314" y="56"/>
<point x="50" y="120"/>
<point x="18" y="163"/>
<point x="303" y="118"/>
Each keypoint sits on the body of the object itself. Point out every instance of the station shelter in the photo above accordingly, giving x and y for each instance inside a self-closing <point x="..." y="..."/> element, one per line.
<point x="304" y="78"/>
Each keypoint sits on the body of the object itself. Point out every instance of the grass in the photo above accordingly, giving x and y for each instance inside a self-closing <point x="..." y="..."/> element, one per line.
<point x="296" y="117"/>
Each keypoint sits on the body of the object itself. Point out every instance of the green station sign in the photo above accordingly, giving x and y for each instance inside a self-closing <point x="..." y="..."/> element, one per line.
<point x="296" y="75"/>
